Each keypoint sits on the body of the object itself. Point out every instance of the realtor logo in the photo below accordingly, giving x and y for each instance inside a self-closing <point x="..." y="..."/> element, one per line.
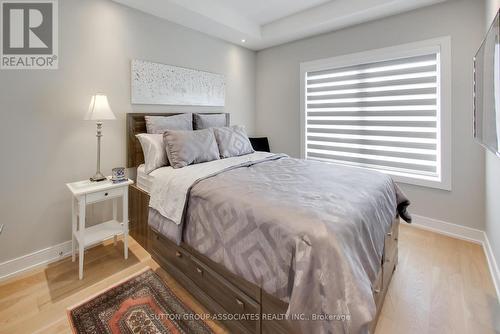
<point x="29" y="34"/>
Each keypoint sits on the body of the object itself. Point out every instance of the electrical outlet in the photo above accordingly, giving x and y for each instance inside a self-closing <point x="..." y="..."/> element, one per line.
<point x="1" y="228"/>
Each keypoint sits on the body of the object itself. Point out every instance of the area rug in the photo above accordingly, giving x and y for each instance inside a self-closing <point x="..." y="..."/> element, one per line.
<point x="141" y="305"/>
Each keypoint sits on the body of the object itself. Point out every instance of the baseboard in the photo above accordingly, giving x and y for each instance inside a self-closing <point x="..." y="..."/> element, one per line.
<point x="493" y="264"/>
<point x="463" y="233"/>
<point x="449" y="229"/>
<point x="30" y="261"/>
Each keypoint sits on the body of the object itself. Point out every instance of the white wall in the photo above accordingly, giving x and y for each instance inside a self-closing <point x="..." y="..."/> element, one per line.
<point x="44" y="140"/>
<point x="278" y="96"/>
<point x="492" y="170"/>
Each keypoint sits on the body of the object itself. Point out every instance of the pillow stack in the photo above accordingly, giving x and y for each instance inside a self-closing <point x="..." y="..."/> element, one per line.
<point x="171" y="140"/>
<point x="152" y="143"/>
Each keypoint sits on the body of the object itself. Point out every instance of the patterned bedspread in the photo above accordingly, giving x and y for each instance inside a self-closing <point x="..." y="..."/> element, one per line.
<point x="309" y="233"/>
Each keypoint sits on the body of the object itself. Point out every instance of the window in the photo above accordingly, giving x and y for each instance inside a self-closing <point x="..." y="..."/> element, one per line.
<point x="385" y="109"/>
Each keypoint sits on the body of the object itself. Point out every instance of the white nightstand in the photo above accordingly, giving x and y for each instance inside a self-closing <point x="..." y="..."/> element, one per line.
<point x="87" y="192"/>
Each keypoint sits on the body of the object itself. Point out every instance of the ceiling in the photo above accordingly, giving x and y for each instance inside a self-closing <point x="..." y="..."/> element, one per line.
<point x="265" y="23"/>
<point x="267" y="11"/>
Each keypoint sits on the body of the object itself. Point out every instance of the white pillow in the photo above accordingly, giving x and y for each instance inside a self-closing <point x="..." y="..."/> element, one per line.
<point x="153" y="148"/>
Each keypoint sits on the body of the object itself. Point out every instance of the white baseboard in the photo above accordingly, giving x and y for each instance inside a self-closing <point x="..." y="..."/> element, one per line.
<point x="30" y="261"/>
<point x="492" y="263"/>
<point x="449" y="229"/>
<point x="463" y="233"/>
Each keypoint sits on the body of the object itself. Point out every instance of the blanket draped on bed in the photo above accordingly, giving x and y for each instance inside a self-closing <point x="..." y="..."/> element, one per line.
<point x="309" y="233"/>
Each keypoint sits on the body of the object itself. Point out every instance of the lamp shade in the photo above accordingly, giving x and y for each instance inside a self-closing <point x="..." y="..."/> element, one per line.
<point x="99" y="109"/>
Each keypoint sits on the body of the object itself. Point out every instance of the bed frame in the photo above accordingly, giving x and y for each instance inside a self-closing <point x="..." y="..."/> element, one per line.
<point x="210" y="283"/>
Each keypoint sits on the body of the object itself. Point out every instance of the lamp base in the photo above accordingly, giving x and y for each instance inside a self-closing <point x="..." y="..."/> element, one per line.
<point x="98" y="177"/>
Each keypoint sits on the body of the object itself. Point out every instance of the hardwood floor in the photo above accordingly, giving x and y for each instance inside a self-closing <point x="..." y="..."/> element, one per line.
<point x="441" y="285"/>
<point x="38" y="301"/>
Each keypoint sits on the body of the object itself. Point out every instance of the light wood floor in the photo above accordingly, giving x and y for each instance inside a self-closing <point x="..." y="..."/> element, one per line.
<point x="441" y="285"/>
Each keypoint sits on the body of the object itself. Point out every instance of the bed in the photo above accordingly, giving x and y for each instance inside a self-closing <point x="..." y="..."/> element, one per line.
<point x="244" y="245"/>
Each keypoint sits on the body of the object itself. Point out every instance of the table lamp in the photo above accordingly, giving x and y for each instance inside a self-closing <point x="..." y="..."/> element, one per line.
<point x="99" y="110"/>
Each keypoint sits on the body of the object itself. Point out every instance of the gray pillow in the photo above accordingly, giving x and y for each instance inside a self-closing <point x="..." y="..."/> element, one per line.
<point x="190" y="147"/>
<point x="233" y="141"/>
<point x="160" y="124"/>
<point x="209" y="121"/>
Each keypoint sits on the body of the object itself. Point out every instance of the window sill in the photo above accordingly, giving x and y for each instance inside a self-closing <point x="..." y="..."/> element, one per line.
<point x="436" y="184"/>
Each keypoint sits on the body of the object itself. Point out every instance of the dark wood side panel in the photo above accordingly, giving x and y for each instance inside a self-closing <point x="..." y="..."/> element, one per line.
<point x="136" y="124"/>
<point x="138" y="215"/>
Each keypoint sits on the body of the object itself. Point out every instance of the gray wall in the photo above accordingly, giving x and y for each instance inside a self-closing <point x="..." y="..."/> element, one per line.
<point x="278" y="96"/>
<point x="44" y="140"/>
<point x="492" y="170"/>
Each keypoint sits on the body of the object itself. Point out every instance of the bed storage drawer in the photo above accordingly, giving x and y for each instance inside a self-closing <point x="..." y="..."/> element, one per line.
<point x="377" y="289"/>
<point x="170" y="252"/>
<point x="226" y="295"/>
<point x="391" y="239"/>
<point x="389" y="266"/>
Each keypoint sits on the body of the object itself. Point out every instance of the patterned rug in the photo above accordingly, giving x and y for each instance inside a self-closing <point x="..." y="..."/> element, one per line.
<point x="141" y="305"/>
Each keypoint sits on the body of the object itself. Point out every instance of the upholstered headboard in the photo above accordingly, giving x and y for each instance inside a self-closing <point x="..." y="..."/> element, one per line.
<point x="137" y="124"/>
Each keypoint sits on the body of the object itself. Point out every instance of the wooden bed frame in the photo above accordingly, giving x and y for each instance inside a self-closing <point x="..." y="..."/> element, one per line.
<point x="210" y="283"/>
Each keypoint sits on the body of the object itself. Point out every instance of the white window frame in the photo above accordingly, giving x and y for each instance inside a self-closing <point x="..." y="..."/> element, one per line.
<point x="443" y="46"/>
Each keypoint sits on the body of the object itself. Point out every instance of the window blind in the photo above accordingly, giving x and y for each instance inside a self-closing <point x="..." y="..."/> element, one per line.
<point x="382" y="115"/>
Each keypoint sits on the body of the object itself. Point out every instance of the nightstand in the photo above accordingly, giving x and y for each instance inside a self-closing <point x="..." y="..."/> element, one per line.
<point x="85" y="193"/>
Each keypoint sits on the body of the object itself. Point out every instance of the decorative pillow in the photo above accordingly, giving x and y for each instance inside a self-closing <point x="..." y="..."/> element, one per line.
<point x="154" y="151"/>
<point x="232" y="141"/>
<point x="160" y="124"/>
<point x="190" y="147"/>
<point x="209" y="121"/>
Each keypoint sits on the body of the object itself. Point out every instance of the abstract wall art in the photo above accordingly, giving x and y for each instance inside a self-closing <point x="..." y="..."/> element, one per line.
<point x="155" y="83"/>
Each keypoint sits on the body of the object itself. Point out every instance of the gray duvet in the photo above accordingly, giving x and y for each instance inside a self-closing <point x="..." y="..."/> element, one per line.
<point x="308" y="233"/>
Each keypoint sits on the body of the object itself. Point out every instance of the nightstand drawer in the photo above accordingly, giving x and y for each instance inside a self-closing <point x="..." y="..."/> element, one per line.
<point x="103" y="195"/>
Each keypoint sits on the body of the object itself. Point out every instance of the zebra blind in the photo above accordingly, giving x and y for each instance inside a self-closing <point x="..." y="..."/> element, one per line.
<point x="382" y="115"/>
